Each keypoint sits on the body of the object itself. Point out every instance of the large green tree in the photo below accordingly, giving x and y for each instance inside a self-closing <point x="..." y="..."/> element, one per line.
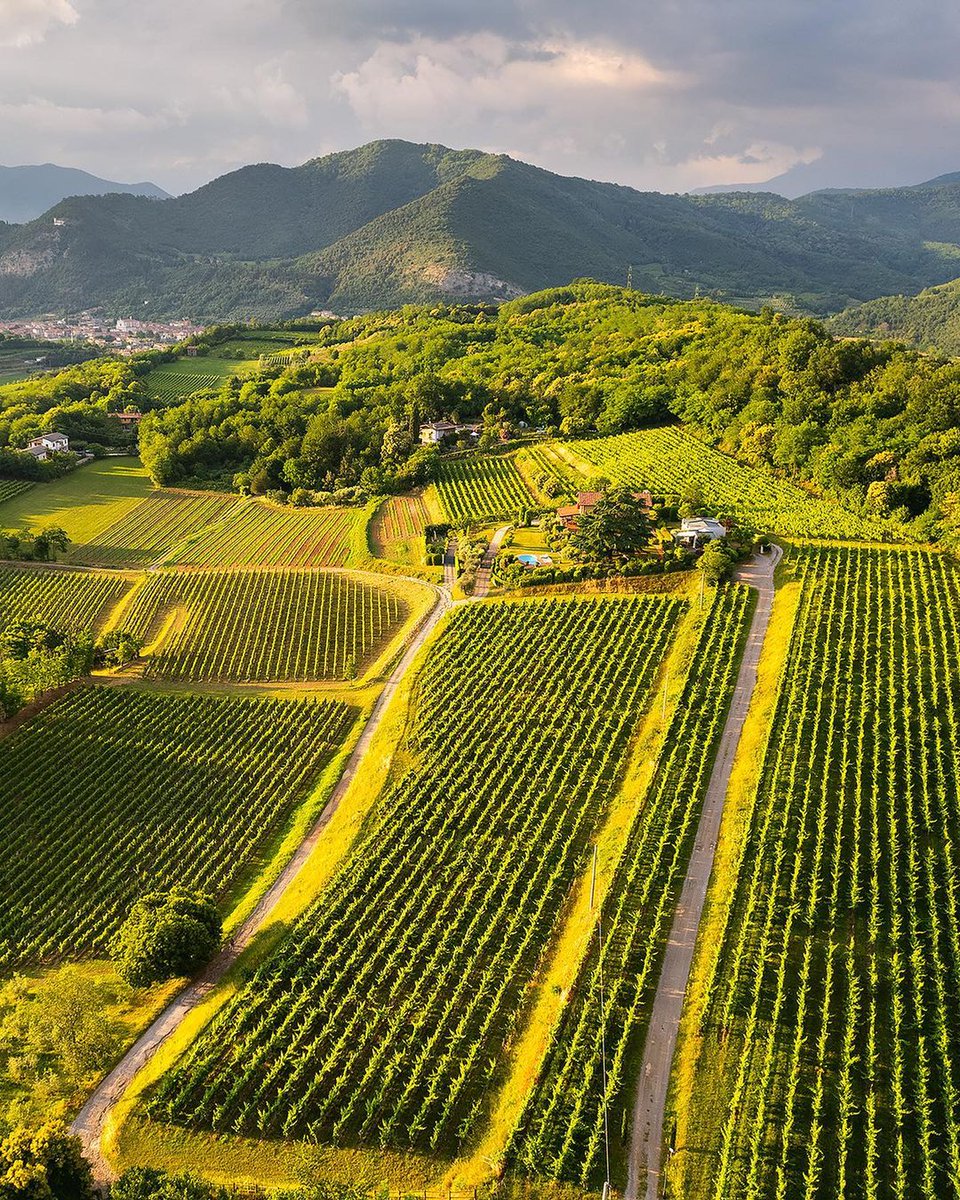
<point x="617" y="528"/>
<point x="166" y="934"/>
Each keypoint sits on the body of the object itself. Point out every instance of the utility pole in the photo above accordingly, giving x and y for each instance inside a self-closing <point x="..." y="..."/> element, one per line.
<point x="629" y="276"/>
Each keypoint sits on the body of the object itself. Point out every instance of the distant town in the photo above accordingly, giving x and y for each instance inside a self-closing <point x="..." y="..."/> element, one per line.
<point x="123" y="334"/>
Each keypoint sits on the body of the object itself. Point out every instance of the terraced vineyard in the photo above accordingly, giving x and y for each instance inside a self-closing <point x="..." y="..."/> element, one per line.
<point x="70" y="601"/>
<point x="670" y="460"/>
<point x="384" y="1014"/>
<point x="220" y="530"/>
<point x="544" y="460"/>
<point x="561" y="1132"/>
<point x="12" y="487"/>
<point x="829" y="1045"/>
<point x="100" y="804"/>
<point x="475" y="487"/>
<point x="258" y="626"/>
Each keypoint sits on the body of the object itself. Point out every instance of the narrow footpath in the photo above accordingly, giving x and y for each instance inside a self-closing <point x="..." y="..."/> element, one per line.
<point x="646" y="1144"/>
<point x="89" y="1122"/>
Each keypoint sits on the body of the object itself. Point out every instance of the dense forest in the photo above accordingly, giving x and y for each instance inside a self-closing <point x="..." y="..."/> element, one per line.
<point x="876" y="425"/>
<point x="930" y="320"/>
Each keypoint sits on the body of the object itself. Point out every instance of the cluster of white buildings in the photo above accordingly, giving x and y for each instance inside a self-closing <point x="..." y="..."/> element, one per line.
<point x="126" y="333"/>
<point x="46" y="444"/>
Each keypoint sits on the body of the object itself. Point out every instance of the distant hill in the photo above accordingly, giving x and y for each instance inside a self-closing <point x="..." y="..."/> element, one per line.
<point x="27" y="192"/>
<point x="930" y="320"/>
<point x="393" y="222"/>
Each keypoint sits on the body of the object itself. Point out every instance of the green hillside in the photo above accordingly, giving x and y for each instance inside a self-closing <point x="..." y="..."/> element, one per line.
<point x="930" y="320"/>
<point x="393" y="222"/>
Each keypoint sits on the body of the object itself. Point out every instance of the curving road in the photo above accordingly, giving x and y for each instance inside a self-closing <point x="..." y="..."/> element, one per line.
<point x="646" y="1143"/>
<point x="89" y="1122"/>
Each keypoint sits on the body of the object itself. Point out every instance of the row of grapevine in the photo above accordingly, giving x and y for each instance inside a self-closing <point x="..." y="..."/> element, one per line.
<point x="830" y="1043"/>
<point x="170" y="382"/>
<point x="400" y="518"/>
<point x="263" y="625"/>
<point x="70" y="601"/>
<point x="10" y="488"/>
<point x="479" y="486"/>
<point x="384" y="1014"/>
<point x="543" y="460"/>
<point x="561" y="1132"/>
<point x="150" y="530"/>
<point x="102" y="803"/>
<point x="670" y="460"/>
<point x="215" y="529"/>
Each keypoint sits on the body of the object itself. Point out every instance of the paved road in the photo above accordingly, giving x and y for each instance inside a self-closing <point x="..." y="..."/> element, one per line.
<point x="482" y="585"/>
<point x="643" y="1170"/>
<point x="89" y="1122"/>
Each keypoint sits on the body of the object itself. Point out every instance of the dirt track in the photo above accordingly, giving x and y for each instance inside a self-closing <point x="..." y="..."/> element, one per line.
<point x="643" y="1170"/>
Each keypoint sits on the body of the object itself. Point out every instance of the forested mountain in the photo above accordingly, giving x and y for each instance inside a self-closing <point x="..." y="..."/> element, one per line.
<point x="27" y="192"/>
<point x="394" y="222"/>
<point x="930" y="320"/>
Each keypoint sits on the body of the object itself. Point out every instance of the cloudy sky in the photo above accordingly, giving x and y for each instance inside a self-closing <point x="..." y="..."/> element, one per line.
<point x="671" y="96"/>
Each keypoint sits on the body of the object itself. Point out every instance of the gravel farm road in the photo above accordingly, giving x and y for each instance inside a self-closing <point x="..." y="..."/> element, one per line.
<point x="90" y="1121"/>
<point x="646" y="1143"/>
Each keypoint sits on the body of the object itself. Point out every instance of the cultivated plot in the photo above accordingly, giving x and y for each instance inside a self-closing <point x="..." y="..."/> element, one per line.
<point x="382" y="1018"/>
<point x="263" y="626"/>
<point x="114" y="792"/>
<point x="829" y="1046"/>
<point x="10" y="488"/>
<point x="670" y="460"/>
<point x="479" y="486"/>
<point x="68" y="601"/>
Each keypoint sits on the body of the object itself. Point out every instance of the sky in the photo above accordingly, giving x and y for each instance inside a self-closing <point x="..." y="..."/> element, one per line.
<point x="669" y="96"/>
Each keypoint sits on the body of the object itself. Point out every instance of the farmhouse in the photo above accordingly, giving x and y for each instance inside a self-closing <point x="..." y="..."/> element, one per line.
<point x="694" y="531"/>
<point x="587" y="502"/>
<point x="127" y="419"/>
<point x="435" y="432"/>
<point x="48" y="443"/>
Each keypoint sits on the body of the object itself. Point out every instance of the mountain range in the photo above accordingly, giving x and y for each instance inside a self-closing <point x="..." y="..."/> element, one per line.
<point x="28" y="192"/>
<point x="393" y="222"/>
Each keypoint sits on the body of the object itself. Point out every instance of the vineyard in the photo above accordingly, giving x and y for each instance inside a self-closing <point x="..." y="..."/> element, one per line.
<point x="69" y="601"/>
<point x="542" y="460"/>
<point x="830" y="1046"/>
<point x="257" y="626"/>
<point x="476" y="486"/>
<point x="560" y="1134"/>
<point x="102" y="804"/>
<point x="13" y="487"/>
<point x="671" y="461"/>
<point x="171" y="382"/>
<point x="400" y="518"/>
<point x="383" y="1016"/>
<point x="220" y="530"/>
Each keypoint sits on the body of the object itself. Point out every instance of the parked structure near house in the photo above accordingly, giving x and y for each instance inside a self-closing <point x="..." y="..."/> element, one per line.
<point x="695" y="531"/>
<point x="46" y="444"/>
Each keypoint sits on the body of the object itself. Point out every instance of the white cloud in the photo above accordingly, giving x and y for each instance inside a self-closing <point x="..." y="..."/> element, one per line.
<point x="24" y="22"/>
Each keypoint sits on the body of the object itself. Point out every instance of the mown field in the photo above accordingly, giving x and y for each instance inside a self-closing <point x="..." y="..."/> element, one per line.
<point x="66" y="600"/>
<point x="258" y="626"/>
<point x="382" y="1018"/>
<point x="828" y="1051"/>
<point x="113" y="792"/>
<point x="670" y="460"/>
<point x="475" y="487"/>
<point x="561" y="1132"/>
<point x="84" y="503"/>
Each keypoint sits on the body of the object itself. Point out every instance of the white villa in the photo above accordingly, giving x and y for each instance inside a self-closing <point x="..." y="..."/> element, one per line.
<point x="46" y="444"/>
<point x="694" y="531"/>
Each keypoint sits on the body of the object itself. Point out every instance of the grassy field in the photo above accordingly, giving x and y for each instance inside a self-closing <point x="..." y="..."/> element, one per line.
<point x="415" y="962"/>
<point x="669" y="460"/>
<point x="221" y="530"/>
<point x="84" y="503"/>
<point x="253" y="626"/>
<point x="827" y="1043"/>
<point x="63" y="599"/>
<point x="481" y="486"/>
<point x="101" y="803"/>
